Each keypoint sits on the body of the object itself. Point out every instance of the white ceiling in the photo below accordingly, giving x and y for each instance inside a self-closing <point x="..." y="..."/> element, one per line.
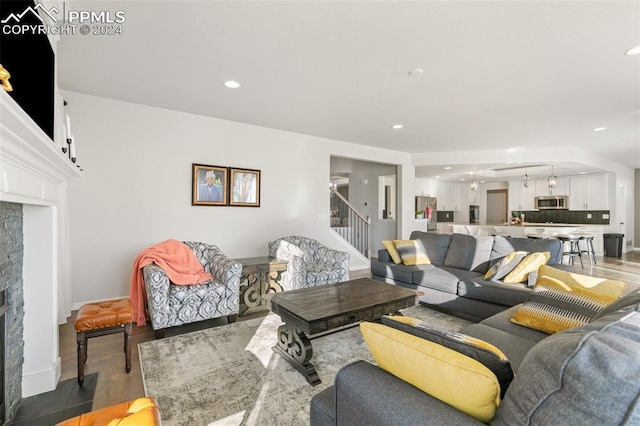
<point x="497" y="75"/>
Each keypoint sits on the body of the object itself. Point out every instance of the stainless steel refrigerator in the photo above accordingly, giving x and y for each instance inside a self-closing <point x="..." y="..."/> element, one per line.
<point x="429" y="205"/>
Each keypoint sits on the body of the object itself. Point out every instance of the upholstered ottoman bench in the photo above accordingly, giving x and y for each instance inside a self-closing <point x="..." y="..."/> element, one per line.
<point x="139" y="412"/>
<point x="99" y="319"/>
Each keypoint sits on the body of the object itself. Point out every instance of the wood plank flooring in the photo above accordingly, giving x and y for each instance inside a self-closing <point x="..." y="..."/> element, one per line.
<point x="106" y="355"/>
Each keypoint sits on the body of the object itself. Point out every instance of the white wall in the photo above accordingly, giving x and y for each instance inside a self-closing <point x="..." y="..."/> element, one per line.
<point x="136" y="188"/>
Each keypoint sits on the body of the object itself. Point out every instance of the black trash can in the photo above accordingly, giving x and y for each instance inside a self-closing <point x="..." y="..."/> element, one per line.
<point x="613" y="245"/>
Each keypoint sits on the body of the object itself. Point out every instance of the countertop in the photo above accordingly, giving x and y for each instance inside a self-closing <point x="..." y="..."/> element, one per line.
<point x="551" y="225"/>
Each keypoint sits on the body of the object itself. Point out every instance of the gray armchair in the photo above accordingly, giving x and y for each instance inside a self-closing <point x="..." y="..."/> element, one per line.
<point x="170" y="305"/>
<point x="310" y="263"/>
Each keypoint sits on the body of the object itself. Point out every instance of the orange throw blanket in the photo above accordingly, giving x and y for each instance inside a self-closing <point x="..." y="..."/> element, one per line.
<point x="176" y="259"/>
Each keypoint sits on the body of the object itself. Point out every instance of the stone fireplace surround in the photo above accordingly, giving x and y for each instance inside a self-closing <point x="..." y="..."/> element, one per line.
<point x="33" y="176"/>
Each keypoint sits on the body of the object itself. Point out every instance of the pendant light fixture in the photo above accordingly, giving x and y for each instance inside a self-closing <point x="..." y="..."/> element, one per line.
<point x="552" y="180"/>
<point x="525" y="179"/>
<point x="474" y="185"/>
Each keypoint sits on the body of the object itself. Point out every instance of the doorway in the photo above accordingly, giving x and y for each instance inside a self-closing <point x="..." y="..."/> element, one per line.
<point x="497" y="206"/>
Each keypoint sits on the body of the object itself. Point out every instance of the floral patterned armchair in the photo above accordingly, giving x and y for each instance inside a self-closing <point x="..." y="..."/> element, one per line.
<point x="170" y="305"/>
<point x="310" y="263"/>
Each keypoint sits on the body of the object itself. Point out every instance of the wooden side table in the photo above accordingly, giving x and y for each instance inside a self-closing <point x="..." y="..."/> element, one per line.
<point x="260" y="276"/>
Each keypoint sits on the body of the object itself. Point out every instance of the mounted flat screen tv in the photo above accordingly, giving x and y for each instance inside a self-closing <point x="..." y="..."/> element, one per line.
<point x="30" y="60"/>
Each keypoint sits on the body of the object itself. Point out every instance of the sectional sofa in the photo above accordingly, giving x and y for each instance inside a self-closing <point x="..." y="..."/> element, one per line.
<point x="588" y="375"/>
<point x="454" y="282"/>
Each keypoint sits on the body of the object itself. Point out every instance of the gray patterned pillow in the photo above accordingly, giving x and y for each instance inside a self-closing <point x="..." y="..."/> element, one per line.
<point x="504" y="266"/>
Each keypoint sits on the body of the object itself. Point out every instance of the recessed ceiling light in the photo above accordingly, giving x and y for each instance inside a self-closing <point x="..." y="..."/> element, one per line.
<point x="625" y="143"/>
<point x="462" y="179"/>
<point x="582" y="173"/>
<point x="447" y="168"/>
<point x="481" y="181"/>
<point x="599" y="129"/>
<point x="633" y="51"/>
<point x="232" y="84"/>
<point x="516" y="149"/>
<point x="397" y="126"/>
<point x="416" y="72"/>
<point x="437" y="176"/>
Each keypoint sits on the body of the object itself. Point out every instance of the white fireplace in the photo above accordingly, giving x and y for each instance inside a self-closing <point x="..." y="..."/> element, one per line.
<point x="34" y="172"/>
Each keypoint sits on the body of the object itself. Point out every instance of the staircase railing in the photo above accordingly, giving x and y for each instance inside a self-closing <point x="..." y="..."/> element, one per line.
<point x="349" y="223"/>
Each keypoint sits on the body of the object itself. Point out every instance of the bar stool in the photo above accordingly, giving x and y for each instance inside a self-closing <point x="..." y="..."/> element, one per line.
<point x="574" y="248"/>
<point x="99" y="319"/>
<point x="588" y="240"/>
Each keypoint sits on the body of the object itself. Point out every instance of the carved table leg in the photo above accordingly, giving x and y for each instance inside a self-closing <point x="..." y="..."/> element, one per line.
<point x="250" y="296"/>
<point x="271" y="283"/>
<point x="296" y="348"/>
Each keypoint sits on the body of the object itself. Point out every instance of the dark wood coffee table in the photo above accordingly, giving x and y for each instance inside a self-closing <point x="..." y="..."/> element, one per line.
<point x="316" y="310"/>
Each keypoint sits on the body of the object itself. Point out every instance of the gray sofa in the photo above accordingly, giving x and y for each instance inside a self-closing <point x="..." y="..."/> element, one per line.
<point x="454" y="281"/>
<point x="583" y="376"/>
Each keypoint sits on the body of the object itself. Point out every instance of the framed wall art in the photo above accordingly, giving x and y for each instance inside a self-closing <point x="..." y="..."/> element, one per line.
<point x="244" y="187"/>
<point x="209" y="186"/>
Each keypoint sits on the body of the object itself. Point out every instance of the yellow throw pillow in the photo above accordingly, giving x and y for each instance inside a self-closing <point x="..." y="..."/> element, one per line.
<point x="554" y="306"/>
<point x="443" y="373"/>
<point x="598" y="285"/>
<point x="411" y="252"/>
<point x="393" y="252"/>
<point x="527" y="265"/>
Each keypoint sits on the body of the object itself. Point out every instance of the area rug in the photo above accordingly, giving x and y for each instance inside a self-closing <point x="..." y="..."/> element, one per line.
<point x="229" y="375"/>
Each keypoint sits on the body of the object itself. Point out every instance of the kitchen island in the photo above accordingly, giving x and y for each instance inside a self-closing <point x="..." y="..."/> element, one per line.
<point x="548" y="230"/>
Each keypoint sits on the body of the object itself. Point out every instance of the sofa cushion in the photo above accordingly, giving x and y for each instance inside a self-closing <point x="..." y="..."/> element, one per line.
<point x="443" y="278"/>
<point x="399" y="353"/>
<point x="583" y="376"/>
<point x="392" y="251"/>
<point x="397" y="272"/>
<point x="435" y="245"/>
<point x="530" y="263"/>
<point x="505" y="245"/>
<point x="504" y="266"/>
<point x="493" y="292"/>
<point x="411" y="252"/>
<point x="469" y="252"/>
<point x="485" y="353"/>
<point x="384" y="256"/>
<point x="630" y="302"/>
<point x="554" y="306"/>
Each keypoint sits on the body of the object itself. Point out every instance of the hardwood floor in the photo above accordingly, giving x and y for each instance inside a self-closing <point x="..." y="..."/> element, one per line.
<point x="106" y="356"/>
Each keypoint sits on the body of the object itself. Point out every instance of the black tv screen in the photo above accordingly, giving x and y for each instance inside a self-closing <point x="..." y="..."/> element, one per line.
<point x="28" y="57"/>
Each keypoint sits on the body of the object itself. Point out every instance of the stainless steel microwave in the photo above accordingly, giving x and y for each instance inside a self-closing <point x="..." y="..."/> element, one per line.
<point x="551" y="202"/>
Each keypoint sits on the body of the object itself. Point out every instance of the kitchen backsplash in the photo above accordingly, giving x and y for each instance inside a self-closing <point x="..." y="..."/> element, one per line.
<point x="565" y="216"/>
<point x="445" y="216"/>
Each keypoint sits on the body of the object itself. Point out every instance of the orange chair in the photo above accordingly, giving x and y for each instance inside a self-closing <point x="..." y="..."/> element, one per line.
<point x="139" y="412"/>
<point x="99" y="319"/>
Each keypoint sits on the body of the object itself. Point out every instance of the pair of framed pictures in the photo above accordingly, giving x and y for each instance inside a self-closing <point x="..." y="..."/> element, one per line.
<point x="224" y="186"/>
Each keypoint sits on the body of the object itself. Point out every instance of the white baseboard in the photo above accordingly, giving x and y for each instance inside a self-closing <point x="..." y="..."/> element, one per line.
<point x="359" y="268"/>
<point x="75" y="306"/>
<point x="41" y="381"/>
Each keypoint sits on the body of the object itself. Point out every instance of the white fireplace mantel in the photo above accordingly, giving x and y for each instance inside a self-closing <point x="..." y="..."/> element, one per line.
<point x="33" y="171"/>
<point x="31" y="164"/>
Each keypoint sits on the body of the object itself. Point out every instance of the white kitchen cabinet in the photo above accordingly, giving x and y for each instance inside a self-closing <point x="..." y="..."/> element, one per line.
<point x="449" y="196"/>
<point x="473" y="197"/>
<point x="521" y="198"/>
<point x="425" y="187"/>
<point x="589" y="192"/>
<point x="542" y="187"/>
<point x="455" y="196"/>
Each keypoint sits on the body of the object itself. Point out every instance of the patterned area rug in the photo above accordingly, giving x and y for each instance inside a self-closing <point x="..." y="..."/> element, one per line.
<point x="229" y="375"/>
